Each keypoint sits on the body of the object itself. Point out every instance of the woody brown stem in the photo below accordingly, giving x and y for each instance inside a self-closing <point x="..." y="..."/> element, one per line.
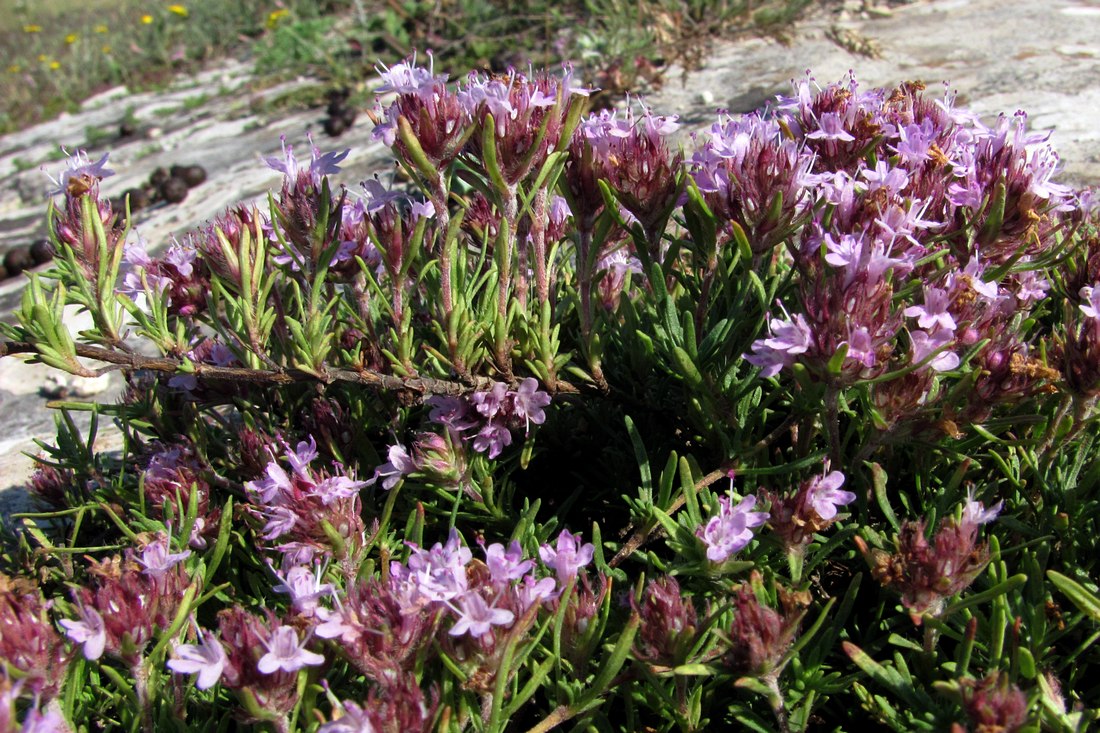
<point x="130" y="362"/>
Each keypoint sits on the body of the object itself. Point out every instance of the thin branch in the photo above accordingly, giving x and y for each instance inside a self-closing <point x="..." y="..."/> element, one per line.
<point x="641" y="536"/>
<point x="130" y="362"/>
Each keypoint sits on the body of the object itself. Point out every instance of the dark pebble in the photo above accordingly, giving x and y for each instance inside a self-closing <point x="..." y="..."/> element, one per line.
<point x="17" y="260"/>
<point x="139" y="199"/>
<point x="335" y="126"/>
<point x="126" y="129"/>
<point x="41" y="251"/>
<point x="348" y="116"/>
<point x="174" y="190"/>
<point x="158" y="177"/>
<point x="193" y="175"/>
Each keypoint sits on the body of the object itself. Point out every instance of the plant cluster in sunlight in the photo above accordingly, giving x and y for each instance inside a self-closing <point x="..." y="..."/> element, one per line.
<point x="789" y="429"/>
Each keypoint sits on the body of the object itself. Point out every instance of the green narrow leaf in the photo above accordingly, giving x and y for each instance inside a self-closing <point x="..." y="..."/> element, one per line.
<point x="1080" y="596"/>
<point x="878" y="478"/>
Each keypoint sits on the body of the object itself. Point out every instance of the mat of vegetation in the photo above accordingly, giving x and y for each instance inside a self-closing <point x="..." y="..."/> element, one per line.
<point x="791" y="430"/>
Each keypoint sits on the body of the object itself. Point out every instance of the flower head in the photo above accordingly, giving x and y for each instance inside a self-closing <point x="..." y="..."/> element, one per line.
<point x="286" y="653"/>
<point x="89" y="631"/>
<point x="476" y="617"/>
<point x="826" y="494"/>
<point x="206" y="659"/>
<point x="730" y="530"/>
<point x="81" y="174"/>
<point x="567" y="556"/>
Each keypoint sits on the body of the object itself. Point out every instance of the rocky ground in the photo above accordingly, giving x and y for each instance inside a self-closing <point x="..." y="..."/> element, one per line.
<point x="1042" y="56"/>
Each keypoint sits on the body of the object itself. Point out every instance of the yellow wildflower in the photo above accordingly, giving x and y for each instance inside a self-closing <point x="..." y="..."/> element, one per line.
<point x="275" y="16"/>
<point x="42" y="57"/>
<point x="147" y="19"/>
<point x="106" y="49"/>
<point x="71" y="38"/>
<point x="55" y="65"/>
<point x="32" y="29"/>
<point x="179" y="10"/>
<point x="14" y="69"/>
<point x="101" y="28"/>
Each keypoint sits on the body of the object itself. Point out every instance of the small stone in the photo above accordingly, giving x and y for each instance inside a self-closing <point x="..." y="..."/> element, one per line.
<point x="41" y="251"/>
<point x="193" y="175"/>
<point x="334" y="126"/>
<point x="159" y="177"/>
<point x="174" y="190"/>
<point x="705" y="97"/>
<point x="139" y="199"/>
<point x="17" y="260"/>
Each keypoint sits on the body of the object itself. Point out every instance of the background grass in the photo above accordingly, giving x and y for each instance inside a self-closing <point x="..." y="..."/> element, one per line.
<point x="57" y="53"/>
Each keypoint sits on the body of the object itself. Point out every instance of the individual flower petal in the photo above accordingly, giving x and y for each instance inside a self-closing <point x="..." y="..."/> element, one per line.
<point x="89" y="631"/>
<point x="826" y="496"/>
<point x="284" y="652"/>
<point x="207" y="660"/>
<point x="476" y="617"/>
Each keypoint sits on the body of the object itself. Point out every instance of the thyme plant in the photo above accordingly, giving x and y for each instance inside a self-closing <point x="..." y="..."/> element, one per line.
<point x="571" y="426"/>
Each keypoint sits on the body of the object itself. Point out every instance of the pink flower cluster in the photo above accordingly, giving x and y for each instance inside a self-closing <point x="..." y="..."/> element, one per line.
<point x="294" y="506"/>
<point x="484" y="420"/>
<point x="131" y="599"/>
<point x="870" y="297"/>
<point x="794" y="518"/>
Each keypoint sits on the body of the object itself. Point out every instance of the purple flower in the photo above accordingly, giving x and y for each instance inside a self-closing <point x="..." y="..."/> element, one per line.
<point x="50" y="721"/>
<point x="730" y="530"/>
<point x="826" y="496"/>
<point x="924" y="345"/>
<point x="974" y="269"/>
<point x="280" y="521"/>
<point x="206" y="659"/>
<point x="492" y="439"/>
<point x="320" y="164"/>
<point x="1092" y="297"/>
<point x="274" y="488"/>
<point x="532" y="591"/>
<point x="506" y="565"/>
<point x="915" y="141"/>
<point x="438" y="574"/>
<point x="378" y="197"/>
<point x="789" y="339"/>
<point x="304" y="587"/>
<point x="974" y="512"/>
<point x="408" y="78"/>
<point x="567" y="556"/>
<point x="861" y="347"/>
<point x="399" y="465"/>
<point x="450" y="411"/>
<point x="831" y="127"/>
<point x="80" y="166"/>
<point x="157" y="560"/>
<point x="894" y="180"/>
<point x="1031" y="286"/>
<point x="335" y="488"/>
<point x="528" y="401"/>
<point x="490" y="402"/>
<point x="421" y="210"/>
<point x="284" y="652"/>
<point x="300" y="458"/>
<point x="355" y="719"/>
<point x="933" y="314"/>
<point x="476" y="617"/>
<point x="89" y="631"/>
